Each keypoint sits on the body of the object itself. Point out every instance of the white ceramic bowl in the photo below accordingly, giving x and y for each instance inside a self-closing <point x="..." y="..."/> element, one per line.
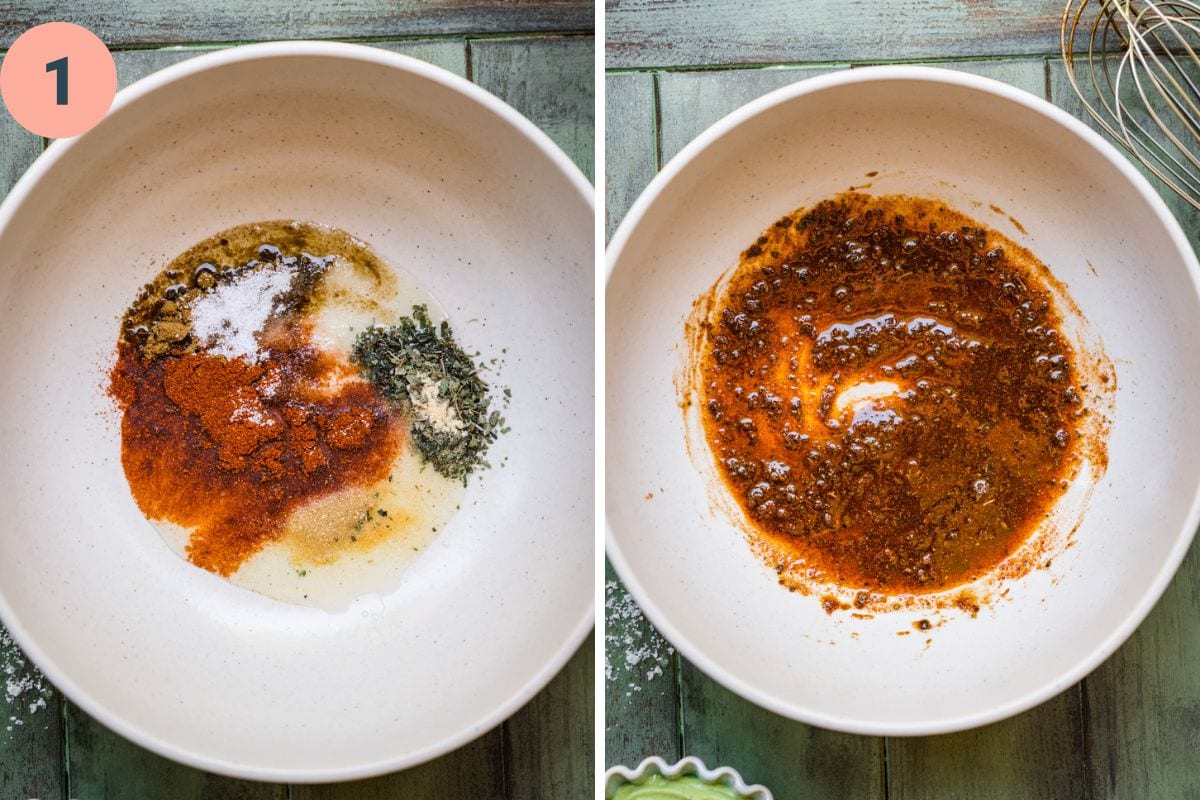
<point x="440" y="178"/>
<point x="959" y="138"/>
<point x="728" y="777"/>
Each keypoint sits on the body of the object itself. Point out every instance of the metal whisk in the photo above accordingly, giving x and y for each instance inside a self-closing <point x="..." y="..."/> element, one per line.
<point x="1139" y="78"/>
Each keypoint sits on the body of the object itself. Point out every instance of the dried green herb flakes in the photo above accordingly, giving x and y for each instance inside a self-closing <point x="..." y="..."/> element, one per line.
<point x="437" y="386"/>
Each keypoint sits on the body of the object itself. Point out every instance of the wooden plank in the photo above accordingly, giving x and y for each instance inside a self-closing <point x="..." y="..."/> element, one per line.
<point x="641" y="693"/>
<point x="30" y="708"/>
<point x="475" y="770"/>
<point x="660" y="33"/>
<point x="103" y="766"/>
<point x="31" y="733"/>
<point x="1025" y="73"/>
<point x="1035" y="754"/>
<point x="691" y="101"/>
<point x="792" y="759"/>
<point x="551" y="81"/>
<point x="450" y="54"/>
<point x="119" y="22"/>
<point x="18" y="149"/>
<point x="1141" y="708"/>
<point x="630" y="148"/>
<point x="550" y="747"/>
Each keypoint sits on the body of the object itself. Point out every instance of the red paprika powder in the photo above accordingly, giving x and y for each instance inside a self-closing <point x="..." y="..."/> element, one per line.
<point x="230" y="448"/>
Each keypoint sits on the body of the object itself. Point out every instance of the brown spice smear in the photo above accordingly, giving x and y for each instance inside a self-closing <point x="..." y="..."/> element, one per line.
<point x="888" y="394"/>
<point x="230" y="448"/>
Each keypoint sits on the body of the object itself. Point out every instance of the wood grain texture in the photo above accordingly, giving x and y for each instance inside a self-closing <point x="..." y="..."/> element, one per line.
<point x="630" y="147"/>
<point x="1141" y="708"/>
<point x="549" y="80"/>
<point x="119" y="22"/>
<point x="475" y="770"/>
<point x="641" y="694"/>
<point x="550" y="748"/>
<point x="792" y="759"/>
<point x="18" y="149"/>
<point x="1035" y="754"/>
<point x="104" y="766"/>
<point x="31" y="733"/>
<point x="660" y="33"/>
<point x="691" y="101"/>
<point x="449" y="54"/>
<point x="1026" y="73"/>
<point x="30" y="742"/>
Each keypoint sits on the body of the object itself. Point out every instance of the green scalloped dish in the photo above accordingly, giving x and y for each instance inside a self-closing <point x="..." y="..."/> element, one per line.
<point x="686" y="788"/>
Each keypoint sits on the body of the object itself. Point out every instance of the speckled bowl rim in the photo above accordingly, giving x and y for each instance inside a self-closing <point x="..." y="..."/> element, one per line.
<point x="505" y="115"/>
<point x="1122" y="629"/>
<point x="616" y="777"/>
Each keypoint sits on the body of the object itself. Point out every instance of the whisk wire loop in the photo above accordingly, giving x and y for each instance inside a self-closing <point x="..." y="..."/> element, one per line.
<point x="1135" y="66"/>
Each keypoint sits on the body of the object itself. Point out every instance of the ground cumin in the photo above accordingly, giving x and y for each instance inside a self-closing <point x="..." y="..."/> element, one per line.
<point x="229" y="448"/>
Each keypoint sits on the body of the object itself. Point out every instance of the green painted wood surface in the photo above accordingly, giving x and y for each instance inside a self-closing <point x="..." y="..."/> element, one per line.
<point x="119" y="22"/>
<point x="641" y="671"/>
<point x="1130" y="730"/>
<point x="49" y="759"/>
<point x="31" y="735"/>
<point x="660" y="33"/>
<point x="1036" y="754"/>
<point x="469" y="771"/>
<point x="630" y="148"/>
<point x="792" y="759"/>
<point x="551" y="81"/>
<point x="104" y="766"/>
<point x="692" y="101"/>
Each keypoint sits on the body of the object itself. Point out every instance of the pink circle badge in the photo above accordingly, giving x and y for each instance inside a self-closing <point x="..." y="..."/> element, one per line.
<point x="58" y="79"/>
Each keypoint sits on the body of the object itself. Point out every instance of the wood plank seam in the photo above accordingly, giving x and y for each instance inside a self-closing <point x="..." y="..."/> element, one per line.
<point x="506" y="766"/>
<point x="885" y="775"/>
<point x="658" y="150"/>
<point x="365" y="40"/>
<point x="65" y="750"/>
<point x="676" y="656"/>
<point x="1085" y="748"/>
<point x="949" y="61"/>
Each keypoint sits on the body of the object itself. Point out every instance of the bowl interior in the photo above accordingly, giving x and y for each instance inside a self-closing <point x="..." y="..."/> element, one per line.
<point x="439" y="183"/>
<point x="1125" y="264"/>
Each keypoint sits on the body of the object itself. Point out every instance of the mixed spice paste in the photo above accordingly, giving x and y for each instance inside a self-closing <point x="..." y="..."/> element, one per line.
<point x="888" y="394"/>
<point x="245" y="421"/>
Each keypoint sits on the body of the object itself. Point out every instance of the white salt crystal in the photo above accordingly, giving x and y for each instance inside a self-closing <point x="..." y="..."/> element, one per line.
<point x="647" y="655"/>
<point x="227" y="319"/>
<point x="25" y="690"/>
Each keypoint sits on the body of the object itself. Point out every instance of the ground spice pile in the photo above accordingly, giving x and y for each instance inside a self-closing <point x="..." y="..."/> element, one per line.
<point x="229" y="429"/>
<point x="230" y="448"/>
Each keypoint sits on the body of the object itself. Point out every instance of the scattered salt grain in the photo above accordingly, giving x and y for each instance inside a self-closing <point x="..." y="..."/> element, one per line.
<point x="632" y="648"/>
<point x="253" y="415"/>
<point x="227" y="320"/>
<point x="25" y="690"/>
